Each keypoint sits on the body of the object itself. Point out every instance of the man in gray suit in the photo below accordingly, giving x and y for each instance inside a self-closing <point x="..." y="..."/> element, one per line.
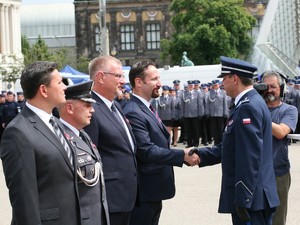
<point x="75" y="114"/>
<point x="38" y="167"/>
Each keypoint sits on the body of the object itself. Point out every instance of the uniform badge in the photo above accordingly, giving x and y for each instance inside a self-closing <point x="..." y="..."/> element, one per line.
<point x="80" y="160"/>
<point x="246" y="121"/>
<point x="89" y="158"/>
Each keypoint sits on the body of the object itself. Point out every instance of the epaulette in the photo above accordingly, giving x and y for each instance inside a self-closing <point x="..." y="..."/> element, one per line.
<point x="245" y="100"/>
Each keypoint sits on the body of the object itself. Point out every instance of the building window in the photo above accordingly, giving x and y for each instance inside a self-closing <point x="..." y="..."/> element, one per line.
<point x="153" y="36"/>
<point x="127" y="37"/>
<point x="97" y="39"/>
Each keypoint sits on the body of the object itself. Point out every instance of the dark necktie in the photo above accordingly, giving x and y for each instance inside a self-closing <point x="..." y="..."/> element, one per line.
<point x="232" y="105"/>
<point x="155" y="113"/>
<point x="116" y="115"/>
<point x="62" y="139"/>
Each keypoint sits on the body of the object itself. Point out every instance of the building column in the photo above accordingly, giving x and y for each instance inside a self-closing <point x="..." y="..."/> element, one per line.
<point x="2" y="30"/>
<point x="6" y="30"/>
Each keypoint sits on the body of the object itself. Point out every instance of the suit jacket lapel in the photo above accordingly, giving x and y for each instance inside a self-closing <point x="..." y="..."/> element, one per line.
<point x="149" y="113"/>
<point x="107" y="112"/>
<point x="46" y="132"/>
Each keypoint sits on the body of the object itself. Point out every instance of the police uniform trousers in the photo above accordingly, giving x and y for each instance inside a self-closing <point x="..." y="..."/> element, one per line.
<point x="261" y="217"/>
<point x="192" y="131"/>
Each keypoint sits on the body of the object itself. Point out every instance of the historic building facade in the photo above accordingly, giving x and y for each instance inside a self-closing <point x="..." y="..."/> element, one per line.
<point x="134" y="29"/>
<point x="10" y="39"/>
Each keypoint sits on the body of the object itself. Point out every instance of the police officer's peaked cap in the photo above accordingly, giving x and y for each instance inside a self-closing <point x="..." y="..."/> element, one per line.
<point x="236" y="66"/>
<point x="3" y="92"/>
<point x="10" y="93"/>
<point x="81" y="91"/>
<point x="297" y="82"/>
<point x="204" y="85"/>
<point x="215" y="81"/>
<point x="165" y="87"/>
<point x="19" y="93"/>
<point x="190" y="82"/>
<point x="291" y="81"/>
<point x="171" y="89"/>
<point x="197" y="82"/>
<point x="176" y="81"/>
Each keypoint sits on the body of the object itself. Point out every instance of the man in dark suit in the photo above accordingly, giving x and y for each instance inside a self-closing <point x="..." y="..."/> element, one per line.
<point x="112" y="135"/>
<point x="39" y="172"/>
<point x="248" y="189"/>
<point x="155" y="158"/>
<point x="75" y="114"/>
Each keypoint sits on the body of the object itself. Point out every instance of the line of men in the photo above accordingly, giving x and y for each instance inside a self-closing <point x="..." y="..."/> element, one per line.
<point x="53" y="169"/>
<point x="101" y="164"/>
<point x="200" y="111"/>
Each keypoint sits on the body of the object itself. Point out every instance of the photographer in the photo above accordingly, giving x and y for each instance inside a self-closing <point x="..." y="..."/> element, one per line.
<point x="284" y="121"/>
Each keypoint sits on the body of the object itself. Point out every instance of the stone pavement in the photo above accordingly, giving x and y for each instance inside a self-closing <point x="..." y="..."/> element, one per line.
<point x="197" y="196"/>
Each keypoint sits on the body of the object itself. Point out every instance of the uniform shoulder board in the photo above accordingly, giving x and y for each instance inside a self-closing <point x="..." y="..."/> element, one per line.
<point x="245" y="100"/>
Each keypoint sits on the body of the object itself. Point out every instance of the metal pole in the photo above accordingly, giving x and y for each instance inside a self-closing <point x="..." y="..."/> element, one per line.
<point x="102" y="26"/>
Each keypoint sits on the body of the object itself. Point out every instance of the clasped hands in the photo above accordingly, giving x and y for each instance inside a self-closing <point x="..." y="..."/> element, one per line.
<point x="190" y="157"/>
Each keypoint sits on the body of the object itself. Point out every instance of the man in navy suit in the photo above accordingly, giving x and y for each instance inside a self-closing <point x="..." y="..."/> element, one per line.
<point x="39" y="173"/>
<point x="112" y="135"/>
<point x="155" y="158"/>
<point x="248" y="189"/>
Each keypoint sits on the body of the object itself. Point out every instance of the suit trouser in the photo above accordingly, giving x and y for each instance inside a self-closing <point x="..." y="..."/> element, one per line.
<point x="283" y="187"/>
<point x="119" y="218"/>
<point x="147" y="213"/>
<point x="261" y="217"/>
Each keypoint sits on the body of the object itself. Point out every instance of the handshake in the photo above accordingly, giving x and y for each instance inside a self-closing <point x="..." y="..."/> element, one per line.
<point x="191" y="157"/>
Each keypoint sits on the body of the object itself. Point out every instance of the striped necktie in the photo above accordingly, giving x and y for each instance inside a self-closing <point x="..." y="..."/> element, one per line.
<point x="62" y="139"/>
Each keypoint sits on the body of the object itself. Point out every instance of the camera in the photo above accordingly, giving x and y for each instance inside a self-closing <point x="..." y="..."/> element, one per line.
<point x="260" y="87"/>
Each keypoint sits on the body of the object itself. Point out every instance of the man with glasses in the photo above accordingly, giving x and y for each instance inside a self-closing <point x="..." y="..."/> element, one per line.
<point x="284" y="121"/>
<point x="112" y="135"/>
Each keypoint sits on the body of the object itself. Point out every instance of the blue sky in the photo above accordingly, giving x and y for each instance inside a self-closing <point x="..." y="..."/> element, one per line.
<point x="45" y="1"/>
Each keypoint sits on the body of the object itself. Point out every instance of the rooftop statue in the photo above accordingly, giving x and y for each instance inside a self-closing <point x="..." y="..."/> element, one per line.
<point x="185" y="60"/>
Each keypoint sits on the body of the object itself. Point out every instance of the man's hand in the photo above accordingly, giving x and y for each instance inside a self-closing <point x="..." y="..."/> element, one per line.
<point x="191" y="158"/>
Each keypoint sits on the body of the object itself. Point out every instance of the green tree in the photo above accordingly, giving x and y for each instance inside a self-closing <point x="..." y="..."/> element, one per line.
<point x="207" y="29"/>
<point x="37" y="52"/>
<point x="83" y="64"/>
<point x="11" y="70"/>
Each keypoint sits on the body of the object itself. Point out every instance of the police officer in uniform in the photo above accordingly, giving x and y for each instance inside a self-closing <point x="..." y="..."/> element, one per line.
<point x="75" y="114"/>
<point x="217" y="110"/>
<point x="179" y="91"/>
<point x="190" y="111"/>
<point x="166" y="108"/>
<point x="248" y="189"/>
<point x="10" y="109"/>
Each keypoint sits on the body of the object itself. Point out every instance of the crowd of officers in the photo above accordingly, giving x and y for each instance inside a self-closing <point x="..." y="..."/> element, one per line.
<point x="10" y="106"/>
<point x="200" y="110"/>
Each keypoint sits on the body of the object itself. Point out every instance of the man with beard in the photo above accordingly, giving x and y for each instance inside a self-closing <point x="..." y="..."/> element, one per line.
<point x="112" y="135"/>
<point x="155" y="158"/>
<point x="284" y="121"/>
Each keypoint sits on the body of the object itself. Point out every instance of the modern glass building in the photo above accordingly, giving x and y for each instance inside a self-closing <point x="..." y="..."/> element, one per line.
<point x="278" y="43"/>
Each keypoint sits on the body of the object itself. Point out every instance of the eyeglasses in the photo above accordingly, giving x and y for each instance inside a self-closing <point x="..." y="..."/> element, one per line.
<point x="116" y="75"/>
<point x="273" y="86"/>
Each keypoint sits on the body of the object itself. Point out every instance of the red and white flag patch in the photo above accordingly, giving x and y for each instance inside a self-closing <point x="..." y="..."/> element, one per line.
<point x="246" y="121"/>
